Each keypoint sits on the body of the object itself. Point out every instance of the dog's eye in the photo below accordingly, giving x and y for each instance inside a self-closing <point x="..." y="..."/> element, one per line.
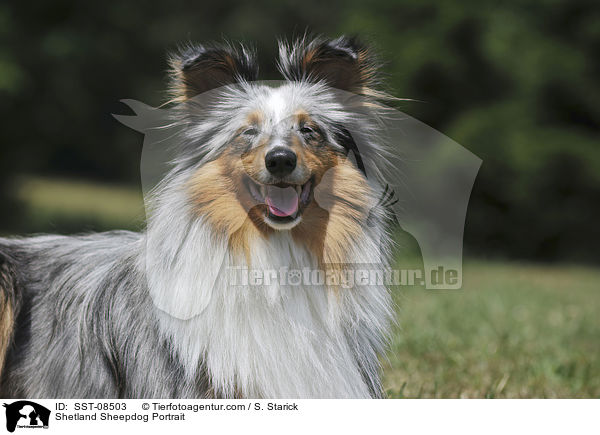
<point x="306" y="130"/>
<point x="252" y="131"/>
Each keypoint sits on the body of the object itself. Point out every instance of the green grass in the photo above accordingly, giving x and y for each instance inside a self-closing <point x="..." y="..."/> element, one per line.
<point x="67" y="206"/>
<point x="514" y="330"/>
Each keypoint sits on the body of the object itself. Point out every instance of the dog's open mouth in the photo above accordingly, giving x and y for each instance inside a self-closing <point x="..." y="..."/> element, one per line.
<point x="284" y="202"/>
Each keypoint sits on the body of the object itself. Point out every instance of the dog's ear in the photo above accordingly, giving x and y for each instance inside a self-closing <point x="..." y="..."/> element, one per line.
<point x="198" y="69"/>
<point x="343" y="63"/>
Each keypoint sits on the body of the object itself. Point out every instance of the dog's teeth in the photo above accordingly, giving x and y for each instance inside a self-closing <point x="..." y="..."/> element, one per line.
<point x="263" y="191"/>
<point x="298" y="189"/>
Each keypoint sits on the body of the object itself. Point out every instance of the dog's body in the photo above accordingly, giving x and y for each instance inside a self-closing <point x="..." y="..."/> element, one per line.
<point x="156" y="315"/>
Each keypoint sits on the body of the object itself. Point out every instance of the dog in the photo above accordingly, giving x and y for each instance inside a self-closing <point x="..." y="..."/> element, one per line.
<point x="266" y="178"/>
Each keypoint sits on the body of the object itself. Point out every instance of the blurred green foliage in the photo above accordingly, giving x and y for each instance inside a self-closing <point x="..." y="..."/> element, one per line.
<point x="516" y="82"/>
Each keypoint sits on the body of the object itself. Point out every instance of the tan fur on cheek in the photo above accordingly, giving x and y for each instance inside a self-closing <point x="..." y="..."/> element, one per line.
<point x="252" y="161"/>
<point x="315" y="161"/>
<point x="333" y="223"/>
<point x="217" y="193"/>
<point x="213" y="194"/>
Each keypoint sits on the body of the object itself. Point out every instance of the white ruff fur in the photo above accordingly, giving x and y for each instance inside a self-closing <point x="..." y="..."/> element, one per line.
<point x="262" y="341"/>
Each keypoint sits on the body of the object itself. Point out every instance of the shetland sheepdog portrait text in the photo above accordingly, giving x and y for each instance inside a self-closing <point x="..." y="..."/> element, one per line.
<point x="266" y="177"/>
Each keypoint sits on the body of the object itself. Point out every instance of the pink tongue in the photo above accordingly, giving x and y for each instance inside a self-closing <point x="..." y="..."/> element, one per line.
<point x="282" y="201"/>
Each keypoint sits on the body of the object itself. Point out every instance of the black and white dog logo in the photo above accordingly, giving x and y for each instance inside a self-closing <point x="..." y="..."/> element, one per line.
<point x="26" y="414"/>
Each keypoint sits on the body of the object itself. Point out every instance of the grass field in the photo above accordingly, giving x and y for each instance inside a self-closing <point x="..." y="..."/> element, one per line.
<point x="67" y="206"/>
<point x="514" y="330"/>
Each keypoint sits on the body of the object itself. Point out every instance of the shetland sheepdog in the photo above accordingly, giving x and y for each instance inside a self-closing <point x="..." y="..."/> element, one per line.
<point x="267" y="178"/>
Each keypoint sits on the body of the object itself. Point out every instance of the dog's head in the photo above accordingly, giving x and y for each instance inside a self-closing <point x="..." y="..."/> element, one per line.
<point x="276" y="157"/>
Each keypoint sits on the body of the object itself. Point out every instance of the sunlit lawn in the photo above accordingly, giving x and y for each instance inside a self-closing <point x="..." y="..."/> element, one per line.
<point x="514" y="330"/>
<point x="65" y="206"/>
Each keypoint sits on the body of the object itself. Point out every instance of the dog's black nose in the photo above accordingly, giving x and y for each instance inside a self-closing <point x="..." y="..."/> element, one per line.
<point x="280" y="161"/>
